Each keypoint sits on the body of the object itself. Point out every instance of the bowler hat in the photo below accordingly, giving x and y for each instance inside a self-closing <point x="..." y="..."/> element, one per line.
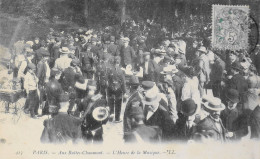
<point x="134" y="80"/>
<point x="189" y="107"/>
<point x="147" y="85"/>
<point x="232" y="95"/>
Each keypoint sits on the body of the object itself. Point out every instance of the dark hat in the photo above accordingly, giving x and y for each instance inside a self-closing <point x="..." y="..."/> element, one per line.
<point x="136" y="110"/>
<point x="171" y="45"/>
<point x="54" y="72"/>
<point x="45" y="53"/>
<point x="188" y="71"/>
<point x="147" y="85"/>
<point x="134" y="80"/>
<point x="232" y="95"/>
<point x="167" y="59"/>
<point x="236" y="66"/>
<point x="31" y="66"/>
<point x="189" y="107"/>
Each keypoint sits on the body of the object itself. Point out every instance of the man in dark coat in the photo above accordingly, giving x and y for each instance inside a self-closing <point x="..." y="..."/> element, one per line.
<point x="126" y="53"/>
<point x="140" y="132"/>
<point x="233" y="117"/>
<point x="237" y="81"/>
<point x="112" y="47"/>
<point x="213" y="122"/>
<point x="254" y="122"/>
<point x="69" y="77"/>
<point x="61" y="127"/>
<point x="134" y="96"/>
<point x="185" y="126"/>
<point x="156" y="115"/>
<point x="116" y="89"/>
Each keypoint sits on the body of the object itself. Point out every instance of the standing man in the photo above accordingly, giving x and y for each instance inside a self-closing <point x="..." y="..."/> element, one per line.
<point x="30" y="85"/>
<point x="213" y="121"/>
<point x="64" y="61"/>
<point x="116" y="89"/>
<point x="135" y="96"/>
<point x="126" y="53"/>
<point x="156" y="115"/>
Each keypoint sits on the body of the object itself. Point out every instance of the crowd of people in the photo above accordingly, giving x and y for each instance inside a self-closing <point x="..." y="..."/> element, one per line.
<point x="174" y="86"/>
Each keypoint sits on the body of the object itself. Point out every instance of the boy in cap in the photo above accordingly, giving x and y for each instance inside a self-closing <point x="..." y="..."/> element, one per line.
<point x="31" y="86"/>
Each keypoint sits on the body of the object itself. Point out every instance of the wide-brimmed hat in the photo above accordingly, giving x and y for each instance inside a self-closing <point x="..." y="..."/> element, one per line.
<point x="189" y="107"/>
<point x="147" y="85"/>
<point x="65" y="50"/>
<point x="100" y="113"/>
<point x="232" y="95"/>
<point x="134" y="80"/>
<point x="151" y="98"/>
<point x="202" y="49"/>
<point x="213" y="103"/>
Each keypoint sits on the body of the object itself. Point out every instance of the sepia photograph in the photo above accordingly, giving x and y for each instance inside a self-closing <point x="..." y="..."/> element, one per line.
<point x="176" y="79"/>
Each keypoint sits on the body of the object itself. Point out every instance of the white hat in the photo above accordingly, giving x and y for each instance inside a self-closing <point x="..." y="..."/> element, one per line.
<point x="65" y="50"/>
<point x="213" y="103"/>
<point x="202" y="49"/>
<point x="151" y="98"/>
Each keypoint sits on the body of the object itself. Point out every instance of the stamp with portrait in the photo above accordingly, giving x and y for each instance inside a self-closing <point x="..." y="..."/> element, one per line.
<point x="230" y="28"/>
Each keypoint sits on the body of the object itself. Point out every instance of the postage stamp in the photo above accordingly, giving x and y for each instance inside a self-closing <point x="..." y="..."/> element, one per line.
<point x="230" y="27"/>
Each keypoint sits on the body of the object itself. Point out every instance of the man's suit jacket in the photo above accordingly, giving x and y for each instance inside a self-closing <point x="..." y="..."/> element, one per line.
<point x="161" y="118"/>
<point x="153" y="71"/>
<point x="144" y="133"/>
<point x="135" y="97"/>
<point x="208" y="124"/>
<point x="41" y="72"/>
<point x="239" y="83"/>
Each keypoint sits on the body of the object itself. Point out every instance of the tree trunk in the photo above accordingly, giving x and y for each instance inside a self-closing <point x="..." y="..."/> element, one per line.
<point x="86" y="8"/>
<point x="123" y="9"/>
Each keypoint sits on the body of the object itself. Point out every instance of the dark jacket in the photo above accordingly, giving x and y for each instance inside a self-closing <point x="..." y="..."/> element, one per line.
<point x="61" y="128"/>
<point x="135" y="97"/>
<point x="53" y="92"/>
<point x="208" y="124"/>
<point x="41" y="72"/>
<point x="153" y="71"/>
<point x="254" y="123"/>
<point x="116" y="79"/>
<point x="239" y="83"/>
<point x="127" y="55"/>
<point x="162" y="119"/>
<point x="69" y="77"/>
<point x="144" y="133"/>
